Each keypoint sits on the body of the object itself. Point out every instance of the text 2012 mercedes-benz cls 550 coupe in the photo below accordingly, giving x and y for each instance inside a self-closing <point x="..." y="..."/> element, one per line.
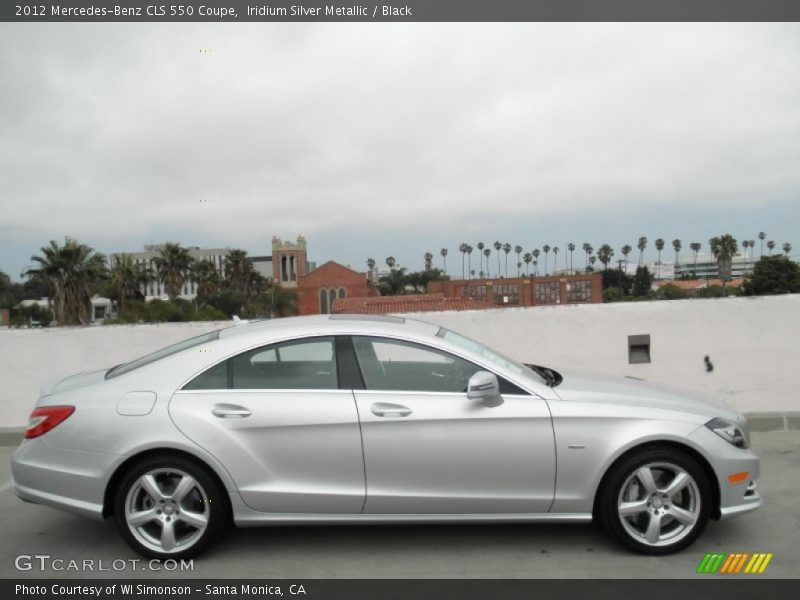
<point x="348" y="419"/>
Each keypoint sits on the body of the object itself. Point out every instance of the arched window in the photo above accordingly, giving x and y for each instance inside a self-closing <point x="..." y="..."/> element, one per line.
<point x="342" y="293"/>
<point x="331" y="297"/>
<point x="323" y="302"/>
<point x="284" y="269"/>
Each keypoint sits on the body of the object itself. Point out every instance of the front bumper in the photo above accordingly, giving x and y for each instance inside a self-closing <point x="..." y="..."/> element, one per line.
<point x="727" y="460"/>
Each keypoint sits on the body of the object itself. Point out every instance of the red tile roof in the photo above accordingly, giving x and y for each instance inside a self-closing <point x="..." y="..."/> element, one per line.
<point x="694" y="284"/>
<point x="403" y="304"/>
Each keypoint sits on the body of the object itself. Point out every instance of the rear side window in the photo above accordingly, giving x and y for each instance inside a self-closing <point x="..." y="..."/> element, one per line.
<point x="308" y="364"/>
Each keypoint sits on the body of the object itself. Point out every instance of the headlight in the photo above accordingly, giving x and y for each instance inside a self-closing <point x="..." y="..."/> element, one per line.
<point x="730" y="432"/>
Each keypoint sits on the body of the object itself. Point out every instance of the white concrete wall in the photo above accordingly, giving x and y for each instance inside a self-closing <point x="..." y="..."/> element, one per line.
<point x="754" y="344"/>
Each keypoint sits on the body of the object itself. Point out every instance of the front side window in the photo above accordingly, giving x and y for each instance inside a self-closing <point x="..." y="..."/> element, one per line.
<point x="395" y="365"/>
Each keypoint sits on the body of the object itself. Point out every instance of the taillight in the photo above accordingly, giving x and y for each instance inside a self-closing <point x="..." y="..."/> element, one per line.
<point x="44" y="419"/>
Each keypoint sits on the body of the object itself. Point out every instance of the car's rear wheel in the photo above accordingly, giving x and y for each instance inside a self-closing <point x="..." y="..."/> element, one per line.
<point x="657" y="501"/>
<point x="169" y="507"/>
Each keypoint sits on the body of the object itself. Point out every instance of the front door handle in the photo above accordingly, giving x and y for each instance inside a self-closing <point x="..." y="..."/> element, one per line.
<point x="230" y="411"/>
<point x="387" y="409"/>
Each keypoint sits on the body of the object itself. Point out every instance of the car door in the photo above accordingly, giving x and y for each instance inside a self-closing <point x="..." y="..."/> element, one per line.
<point x="277" y="420"/>
<point x="430" y="450"/>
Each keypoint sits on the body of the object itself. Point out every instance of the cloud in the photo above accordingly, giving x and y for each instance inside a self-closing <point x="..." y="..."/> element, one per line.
<point x="124" y="130"/>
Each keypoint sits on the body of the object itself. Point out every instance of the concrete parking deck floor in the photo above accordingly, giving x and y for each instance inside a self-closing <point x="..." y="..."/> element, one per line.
<point x="453" y="551"/>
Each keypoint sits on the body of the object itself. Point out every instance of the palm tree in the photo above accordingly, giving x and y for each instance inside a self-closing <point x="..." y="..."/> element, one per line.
<point x="506" y="249"/>
<point x="172" y="266"/>
<point x="761" y="236"/>
<point x="571" y="248"/>
<point x="587" y="247"/>
<point x="487" y="252"/>
<point x="127" y="278"/>
<point x="695" y="247"/>
<point x="604" y="253"/>
<point x="481" y="246"/>
<point x="462" y="247"/>
<point x="626" y="249"/>
<point x="787" y="247"/>
<point x="546" y="250"/>
<point x="391" y="262"/>
<point x="724" y="248"/>
<point x="641" y="245"/>
<point x="71" y="270"/>
<point x="428" y="261"/>
<point x="370" y="266"/>
<point x="745" y="246"/>
<point x="239" y="272"/>
<point x="536" y="253"/>
<point x="443" y="252"/>
<point x="676" y="245"/>
<point x="592" y="260"/>
<point x="555" y="259"/>
<point x="469" y="250"/>
<point x="527" y="257"/>
<point x="498" y="246"/>
<point x="659" y="247"/>
<point x="770" y="246"/>
<point x="518" y="251"/>
<point x="205" y="276"/>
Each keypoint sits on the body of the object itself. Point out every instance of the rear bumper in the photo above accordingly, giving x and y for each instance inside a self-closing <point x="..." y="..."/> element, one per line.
<point x="71" y="480"/>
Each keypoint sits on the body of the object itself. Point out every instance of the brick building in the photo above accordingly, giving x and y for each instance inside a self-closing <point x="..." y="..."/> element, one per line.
<point x="317" y="290"/>
<point x="404" y="304"/>
<point x="525" y="291"/>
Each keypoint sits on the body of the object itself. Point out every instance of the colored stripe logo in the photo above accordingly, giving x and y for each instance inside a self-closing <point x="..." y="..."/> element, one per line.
<point x="735" y="563"/>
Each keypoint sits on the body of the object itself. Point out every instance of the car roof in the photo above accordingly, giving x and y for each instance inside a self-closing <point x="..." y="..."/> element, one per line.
<point x="331" y="325"/>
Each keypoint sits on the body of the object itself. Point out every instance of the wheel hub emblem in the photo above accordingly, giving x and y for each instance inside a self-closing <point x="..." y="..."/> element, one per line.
<point x="657" y="502"/>
<point x="168" y="509"/>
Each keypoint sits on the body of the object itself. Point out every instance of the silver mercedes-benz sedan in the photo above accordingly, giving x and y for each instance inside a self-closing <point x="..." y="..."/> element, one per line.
<point x="360" y="419"/>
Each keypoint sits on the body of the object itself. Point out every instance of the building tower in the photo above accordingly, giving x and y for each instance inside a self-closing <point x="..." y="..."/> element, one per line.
<point x="289" y="261"/>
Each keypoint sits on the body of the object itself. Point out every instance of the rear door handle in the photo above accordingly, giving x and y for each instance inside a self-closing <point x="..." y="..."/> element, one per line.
<point x="387" y="409"/>
<point x="230" y="411"/>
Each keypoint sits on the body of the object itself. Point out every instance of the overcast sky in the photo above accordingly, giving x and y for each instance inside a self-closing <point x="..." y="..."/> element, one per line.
<point x="396" y="139"/>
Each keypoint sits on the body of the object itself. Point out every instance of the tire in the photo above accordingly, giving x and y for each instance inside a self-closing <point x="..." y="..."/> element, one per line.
<point x="656" y="502"/>
<point x="170" y="507"/>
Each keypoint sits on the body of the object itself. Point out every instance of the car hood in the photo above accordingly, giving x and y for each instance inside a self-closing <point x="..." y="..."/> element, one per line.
<point x="71" y="381"/>
<point x="580" y="386"/>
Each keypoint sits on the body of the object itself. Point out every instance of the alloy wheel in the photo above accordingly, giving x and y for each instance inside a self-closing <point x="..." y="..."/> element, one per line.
<point x="659" y="504"/>
<point x="167" y="510"/>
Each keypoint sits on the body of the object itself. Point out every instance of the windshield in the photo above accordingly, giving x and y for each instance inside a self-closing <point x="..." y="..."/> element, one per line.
<point x="163" y="353"/>
<point x="487" y="353"/>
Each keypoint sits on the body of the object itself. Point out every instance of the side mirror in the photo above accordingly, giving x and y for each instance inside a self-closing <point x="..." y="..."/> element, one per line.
<point x="483" y="386"/>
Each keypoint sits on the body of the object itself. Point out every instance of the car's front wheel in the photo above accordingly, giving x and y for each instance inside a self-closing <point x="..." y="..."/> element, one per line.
<point x="169" y="507"/>
<point x="656" y="502"/>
